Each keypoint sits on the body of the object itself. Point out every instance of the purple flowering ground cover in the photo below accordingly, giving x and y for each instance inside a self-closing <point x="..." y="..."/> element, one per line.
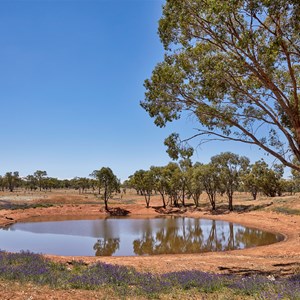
<point x="127" y="282"/>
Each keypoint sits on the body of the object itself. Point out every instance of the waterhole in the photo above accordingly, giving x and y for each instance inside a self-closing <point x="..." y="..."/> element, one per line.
<point x="129" y="236"/>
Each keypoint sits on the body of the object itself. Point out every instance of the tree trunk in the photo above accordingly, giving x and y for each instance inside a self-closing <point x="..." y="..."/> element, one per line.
<point x="105" y="200"/>
<point x="163" y="200"/>
<point x="147" y="199"/>
<point x="230" y="205"/>
<point x="183" y="197"/>
<point x="196" y="198"/>
<point x="175" y="200"/>
<point x="212" y="200"/>
<point x="229" y="194"/>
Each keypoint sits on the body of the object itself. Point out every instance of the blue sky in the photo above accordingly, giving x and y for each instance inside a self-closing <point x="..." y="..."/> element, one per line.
<point x="71" y="80"/>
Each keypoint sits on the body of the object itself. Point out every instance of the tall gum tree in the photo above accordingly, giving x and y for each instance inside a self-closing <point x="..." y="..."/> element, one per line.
<point x="107" y="181"/>
<point x="230" y="168"/>
<point x="235" y="65"/>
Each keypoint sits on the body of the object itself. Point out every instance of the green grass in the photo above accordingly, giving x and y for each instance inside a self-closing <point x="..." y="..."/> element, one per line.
<point x="287" y="211"/>
<point x="14" y="206"/>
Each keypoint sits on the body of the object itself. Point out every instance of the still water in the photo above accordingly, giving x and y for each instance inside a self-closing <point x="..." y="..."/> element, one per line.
<point x="130" y="236"/>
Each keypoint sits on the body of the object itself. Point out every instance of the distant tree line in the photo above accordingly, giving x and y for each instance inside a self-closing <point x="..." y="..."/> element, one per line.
<point x="40" y="181"/>
<point x="176" y="182"/>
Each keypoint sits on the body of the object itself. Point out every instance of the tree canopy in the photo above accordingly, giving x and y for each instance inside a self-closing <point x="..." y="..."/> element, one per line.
<point x="235" y="65"/>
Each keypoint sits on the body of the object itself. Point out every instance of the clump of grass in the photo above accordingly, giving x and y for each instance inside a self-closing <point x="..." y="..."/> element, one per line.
<point x="127" y="282"/>
<point x="15" y="206"/>
<point x="251" y="285"/>
<point x="287" y="211"/>
<point x="281" y="289"/>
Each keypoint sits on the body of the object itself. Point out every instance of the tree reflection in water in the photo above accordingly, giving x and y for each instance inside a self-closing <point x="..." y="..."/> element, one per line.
<point x="106" y="247"/>
<point x="250" y="237"/>
<point x="189" y="237"/>
<point x="177" y="238"/>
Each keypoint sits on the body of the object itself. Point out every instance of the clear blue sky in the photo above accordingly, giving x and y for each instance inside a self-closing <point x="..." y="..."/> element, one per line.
<point x="71" y="80"/>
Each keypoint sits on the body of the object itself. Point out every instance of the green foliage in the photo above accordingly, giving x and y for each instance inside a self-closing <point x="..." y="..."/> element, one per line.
<point x="287" y="211"/>
<point x="144" y="182"/>
<point x="176" y="182"/>
<point x="176" y="149"/>
<point x="230" y="167"/>
<point x="40" y="177"/>
<point x="31" y="182"/>
<point x="263" y="179"/>
<point x="161" y="182"/>
<point x="11" y="180"/>
<point x="81" y="184"/>
<point x="208" y="175"/>
<point x="108" y="181"/>
<point x="195" y="185"/>
<point x="235" y="65"/>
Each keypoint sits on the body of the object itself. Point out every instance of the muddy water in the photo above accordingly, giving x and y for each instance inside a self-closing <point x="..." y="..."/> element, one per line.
<point x="129" y="236"/>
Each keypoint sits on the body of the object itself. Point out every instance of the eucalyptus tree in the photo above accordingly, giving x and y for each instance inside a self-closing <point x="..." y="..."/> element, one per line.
<point x="40" y="177"/>
<point x="31" y="182"/>
<point x="11" y="180"/>
<point x="195" y="184"/>
<point x="161" y="182"/>
<point x="234" y="65"/>
<point x="230" y="168"/>
<point x="144" y="182"/>
<point x="107" y="181"/>
<point x="287" y="186"/>
<point x="185" y="178"/>
<point x="81" y="184"/>
<point x="267" y="179"/>
<point x="51" y="183"/>
<point x="183" y="154"/>
<point x="135" y="181"/>
<point x="251" y="184"/>
<point x="253" y="179"/>
<point x="174" y="178"/>
<point x="209" y="177"/>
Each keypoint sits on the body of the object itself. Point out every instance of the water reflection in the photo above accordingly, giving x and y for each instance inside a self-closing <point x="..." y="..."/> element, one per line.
<point x="191" y="237"/>
<point x="180" y="235"/>
<point x="106" y="247"/>
<point x="131" y="237"/>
